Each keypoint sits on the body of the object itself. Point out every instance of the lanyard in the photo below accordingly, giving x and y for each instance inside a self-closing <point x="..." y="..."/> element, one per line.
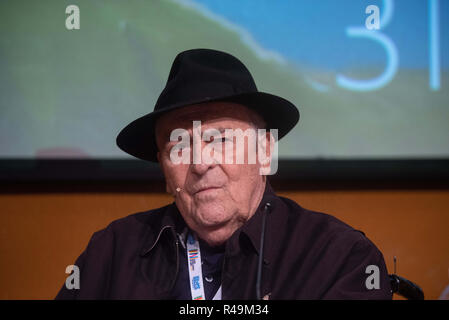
<point x="195" y="270"/>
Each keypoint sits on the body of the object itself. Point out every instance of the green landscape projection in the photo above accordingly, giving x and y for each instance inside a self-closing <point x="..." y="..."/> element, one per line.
<point x="67" y="93"/>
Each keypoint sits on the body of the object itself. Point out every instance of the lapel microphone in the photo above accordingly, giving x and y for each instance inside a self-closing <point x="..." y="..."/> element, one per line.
<point x="267" y="209"/>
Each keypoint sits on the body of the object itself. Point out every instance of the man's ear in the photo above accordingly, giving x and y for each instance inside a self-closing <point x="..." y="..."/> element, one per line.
<point x="267" y="152"/>
<point x="168" y="189"/>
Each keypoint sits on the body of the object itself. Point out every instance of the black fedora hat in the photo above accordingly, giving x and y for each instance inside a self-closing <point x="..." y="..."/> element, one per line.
<point x="205" y="75"/>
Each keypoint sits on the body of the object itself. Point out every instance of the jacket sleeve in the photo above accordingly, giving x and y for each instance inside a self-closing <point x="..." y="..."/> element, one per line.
<point x="363" y="275"/>
<point x="94" y="265"/>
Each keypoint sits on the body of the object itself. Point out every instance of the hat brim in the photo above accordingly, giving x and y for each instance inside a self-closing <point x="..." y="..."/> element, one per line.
<point x="139" y="137"/>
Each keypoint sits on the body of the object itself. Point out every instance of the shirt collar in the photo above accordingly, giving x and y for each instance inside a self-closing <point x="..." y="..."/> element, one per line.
<point x="159" y="221"/>
<point x="276" y="221"/>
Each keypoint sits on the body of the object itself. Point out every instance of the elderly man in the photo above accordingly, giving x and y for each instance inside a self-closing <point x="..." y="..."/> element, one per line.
<point x="227" y="235"/>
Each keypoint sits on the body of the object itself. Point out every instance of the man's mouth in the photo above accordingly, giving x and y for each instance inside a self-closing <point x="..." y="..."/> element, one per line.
<point x="206" y="190"/>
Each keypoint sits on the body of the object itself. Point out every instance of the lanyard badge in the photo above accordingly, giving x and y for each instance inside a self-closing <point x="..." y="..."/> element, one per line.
<point x="195" y="272"/>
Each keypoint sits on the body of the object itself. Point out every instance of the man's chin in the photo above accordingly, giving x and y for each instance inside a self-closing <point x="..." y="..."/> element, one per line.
<point x="212" y="213"/>
<point x="216" y="229"/>
<point x="217" y="234"/>
<point x="212" y="222"/>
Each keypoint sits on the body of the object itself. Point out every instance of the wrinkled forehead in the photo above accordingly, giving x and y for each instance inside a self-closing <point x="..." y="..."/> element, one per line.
<point x="216" y="114"/>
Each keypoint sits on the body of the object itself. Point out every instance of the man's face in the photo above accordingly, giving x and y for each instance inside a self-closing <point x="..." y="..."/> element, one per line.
<point x="214" y="199"/>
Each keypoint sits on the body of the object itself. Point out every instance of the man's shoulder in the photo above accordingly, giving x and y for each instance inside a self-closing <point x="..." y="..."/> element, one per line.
<point x="330" y="257"/>
<point x="316" y="225"/>
<point x="134" y="225"/>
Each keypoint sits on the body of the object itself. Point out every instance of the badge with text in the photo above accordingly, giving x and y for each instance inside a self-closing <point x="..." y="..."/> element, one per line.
<point x="195" y="272"/>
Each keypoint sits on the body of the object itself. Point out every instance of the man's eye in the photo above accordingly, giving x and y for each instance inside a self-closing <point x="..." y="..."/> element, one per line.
<point x="221" y="140"/>
<point x="179" y="147"/>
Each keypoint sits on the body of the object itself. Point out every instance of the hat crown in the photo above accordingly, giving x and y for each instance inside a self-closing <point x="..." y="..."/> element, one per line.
<point x="204" y="74"/>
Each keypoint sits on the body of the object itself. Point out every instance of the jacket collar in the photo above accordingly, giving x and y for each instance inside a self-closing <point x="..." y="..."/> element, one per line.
<point x="276" y="221"/>
<point x="160" y="221"/>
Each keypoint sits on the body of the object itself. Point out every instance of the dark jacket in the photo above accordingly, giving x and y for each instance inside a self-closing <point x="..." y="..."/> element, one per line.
<point x="307" y="255"/>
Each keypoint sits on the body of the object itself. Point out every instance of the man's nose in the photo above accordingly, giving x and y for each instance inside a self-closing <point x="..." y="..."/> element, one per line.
<point x="199" y="163"/>
<point x="201" y="168"/>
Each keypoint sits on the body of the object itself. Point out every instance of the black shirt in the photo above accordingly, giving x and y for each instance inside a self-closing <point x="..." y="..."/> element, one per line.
<point x="307" y="255"/>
